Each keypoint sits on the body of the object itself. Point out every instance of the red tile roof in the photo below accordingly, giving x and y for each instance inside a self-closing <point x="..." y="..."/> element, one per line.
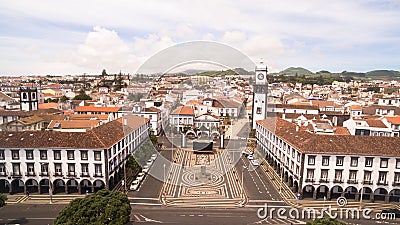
<point x="393" y="119"/>
<point x="183" y="110"/>
<point x="310" y="143"/>
<point x="92" y="108"/>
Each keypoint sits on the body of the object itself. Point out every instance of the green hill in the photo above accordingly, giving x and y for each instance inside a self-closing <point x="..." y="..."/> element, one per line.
<point x="292" y="71"/>
<point x="383" y="73"/>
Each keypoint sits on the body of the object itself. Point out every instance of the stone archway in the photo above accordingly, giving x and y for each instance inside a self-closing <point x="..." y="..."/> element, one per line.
<point x="380" y="194"/>
<point x="86" y="186"/>
<point x="72" y="186"/>
<point x="58" y="186"/>
<point x="98" y="185"/>
<point x="366" y="193"/>
<point x="44" y="186"/>
<point x="308" y="191"/>
<point x="295" y="186"/>
<point x="394" y="195"/>
<point x="350" y="192"/>
<point x="286" y="177"/>
<point x="4" y="186"/>
<point x="32" y="186"/>
<point x="17" y="186"/>
<point x="290" y="181"/>
<point x="336" y="192"/>
<point x="322" y="191"/>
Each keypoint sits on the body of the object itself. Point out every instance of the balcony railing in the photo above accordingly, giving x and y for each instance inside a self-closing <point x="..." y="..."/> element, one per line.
<point x="368" y="182"/>
<point x="382" y="182"/>
<point x="30" y="174"/>
<point x="98" y="174"/>
<point x="58" y="174"/>
<point x="18" y="174"/>
<point x="338" y="181"/>
<point x="44" y="174"/>
<point x="3" y="174"/>
<point x="352" y="181"/>
<point x="309" y="179"/>
<point x="71" y="174"/>
<point x="324" y="180"/>
<point x="85" y="174"/>
<point x="396" y="183"/>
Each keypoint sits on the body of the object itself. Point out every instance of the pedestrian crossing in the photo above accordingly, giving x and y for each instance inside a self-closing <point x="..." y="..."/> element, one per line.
<point x="140" y="218"/>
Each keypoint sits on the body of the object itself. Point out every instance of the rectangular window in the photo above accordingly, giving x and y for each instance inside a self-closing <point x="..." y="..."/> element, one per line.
<point x="16" y="169"/>
<point x="258" y="110"/>
<point x="354" y="162"/>
<point x="29" y="154"/>
<point x="397" y="163"/>
<point x="353" y="175"/>
<point x="368" y="162"/>
<point x="367" y="176"/>
<point x="338" y="175"/>
<point x="57" y="169"/>
<point x="397" y="178"/>
<point x="310" y="174"/>
<point x="311" y="160"/>
<point x="325" y="160"/>
<point x="70" y="155"/>
<point x="382" y="178"/>
<point x="2" y="156"/>
<point x="85" y="169"/>
<point x="15" y="154"/>
<point x="324" y="174"/>
<point x="31" y="169"/>
<point x="71" y="169"/>
<point x="84" y="155"/>
<point x="97" y="155"/>
<point x="57" y="155"/>
<point x="98" y="170"/>
<point x="384" y="162"/>
<point x="44" y="168"/>
<point x="2" y="169"/>
<point x="339" y="160"/>
<point x="43" y="154"/>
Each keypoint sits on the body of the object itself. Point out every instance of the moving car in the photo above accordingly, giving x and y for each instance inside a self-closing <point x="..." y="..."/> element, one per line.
<point x="135" y="185"/>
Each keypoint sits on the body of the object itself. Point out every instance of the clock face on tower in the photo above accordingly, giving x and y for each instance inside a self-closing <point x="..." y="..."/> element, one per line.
<point x="260" y="76"/>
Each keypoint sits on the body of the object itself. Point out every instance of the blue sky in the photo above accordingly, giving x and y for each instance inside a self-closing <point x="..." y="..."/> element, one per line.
<point x="76" y="37"/>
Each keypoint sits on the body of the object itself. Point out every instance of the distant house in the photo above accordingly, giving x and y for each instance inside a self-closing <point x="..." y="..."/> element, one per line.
<point x="115" y="112"/>
<point x="151" y="113"/>
<point x="182" y="116"/>
<point x="73" y="125"/>
<point x="23" y="124"/>
<point x="5" y="100"/>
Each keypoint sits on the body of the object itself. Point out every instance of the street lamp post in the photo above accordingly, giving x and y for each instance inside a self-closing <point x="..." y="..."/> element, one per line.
<point x="50" y="183"/>
<point x="242" y="194"/>
<point x="361" y="197"/>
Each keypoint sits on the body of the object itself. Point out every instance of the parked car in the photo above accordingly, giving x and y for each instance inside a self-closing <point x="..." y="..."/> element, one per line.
<point x="140" y="176"/>
<point x="255" y="162"/>
<point x="146" y="168"/>
<point x="135" y="185"/>
<point x="393" y="211"/>
<point x="149" y="162"/>
<point x="250" y="157"/>
<point x="154" y="157"/>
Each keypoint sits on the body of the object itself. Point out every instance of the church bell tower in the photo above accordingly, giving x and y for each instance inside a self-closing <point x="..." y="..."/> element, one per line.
<point x="260" y="94"/>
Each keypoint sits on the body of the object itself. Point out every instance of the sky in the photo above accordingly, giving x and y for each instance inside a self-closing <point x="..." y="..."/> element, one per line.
<point x="41" y="37"/>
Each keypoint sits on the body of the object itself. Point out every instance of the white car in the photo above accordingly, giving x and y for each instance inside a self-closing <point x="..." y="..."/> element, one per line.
<point x="140" y="176"/>
<point x="250" y="157"/>
<point x="255" y="162"/>
<point x="135" y="185"/>
<point x="154" y="157"/>
<point x="149" y="162"/>
<point x="145" y="168"/>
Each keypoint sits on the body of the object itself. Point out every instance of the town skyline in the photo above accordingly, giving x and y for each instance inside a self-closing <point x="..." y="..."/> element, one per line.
<point x="46" y="38"/>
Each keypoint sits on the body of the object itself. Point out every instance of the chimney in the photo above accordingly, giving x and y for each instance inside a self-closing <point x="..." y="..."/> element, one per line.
<point x="125" y="122"/>
<point x="297" y="128"/>
<point x="283" y="116"/>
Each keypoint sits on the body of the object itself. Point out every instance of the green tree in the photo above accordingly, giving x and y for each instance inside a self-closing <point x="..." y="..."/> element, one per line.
<point x="3" y="199"/>
<point x="326" y="221"/>
<point x="82" y="96"/>
<point x="104" y="207"/>
<point x="64" y="98"/>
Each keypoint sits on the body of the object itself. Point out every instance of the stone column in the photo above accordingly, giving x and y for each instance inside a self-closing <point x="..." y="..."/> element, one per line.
<point x="387" y="198"/>
<point x="357" y="198"/>
<point x="315" y="194"/>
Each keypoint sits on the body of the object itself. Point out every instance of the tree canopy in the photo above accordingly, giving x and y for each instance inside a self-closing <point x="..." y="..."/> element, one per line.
<point x="103" y="207"/>
<point x="3" y="199"/>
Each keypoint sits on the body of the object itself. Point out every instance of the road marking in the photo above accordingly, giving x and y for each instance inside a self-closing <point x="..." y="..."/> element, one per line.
<point x="144" y="203"/>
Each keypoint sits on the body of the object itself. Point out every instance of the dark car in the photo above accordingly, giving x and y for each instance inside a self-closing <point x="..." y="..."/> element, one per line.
<point x="394" y="211"/>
